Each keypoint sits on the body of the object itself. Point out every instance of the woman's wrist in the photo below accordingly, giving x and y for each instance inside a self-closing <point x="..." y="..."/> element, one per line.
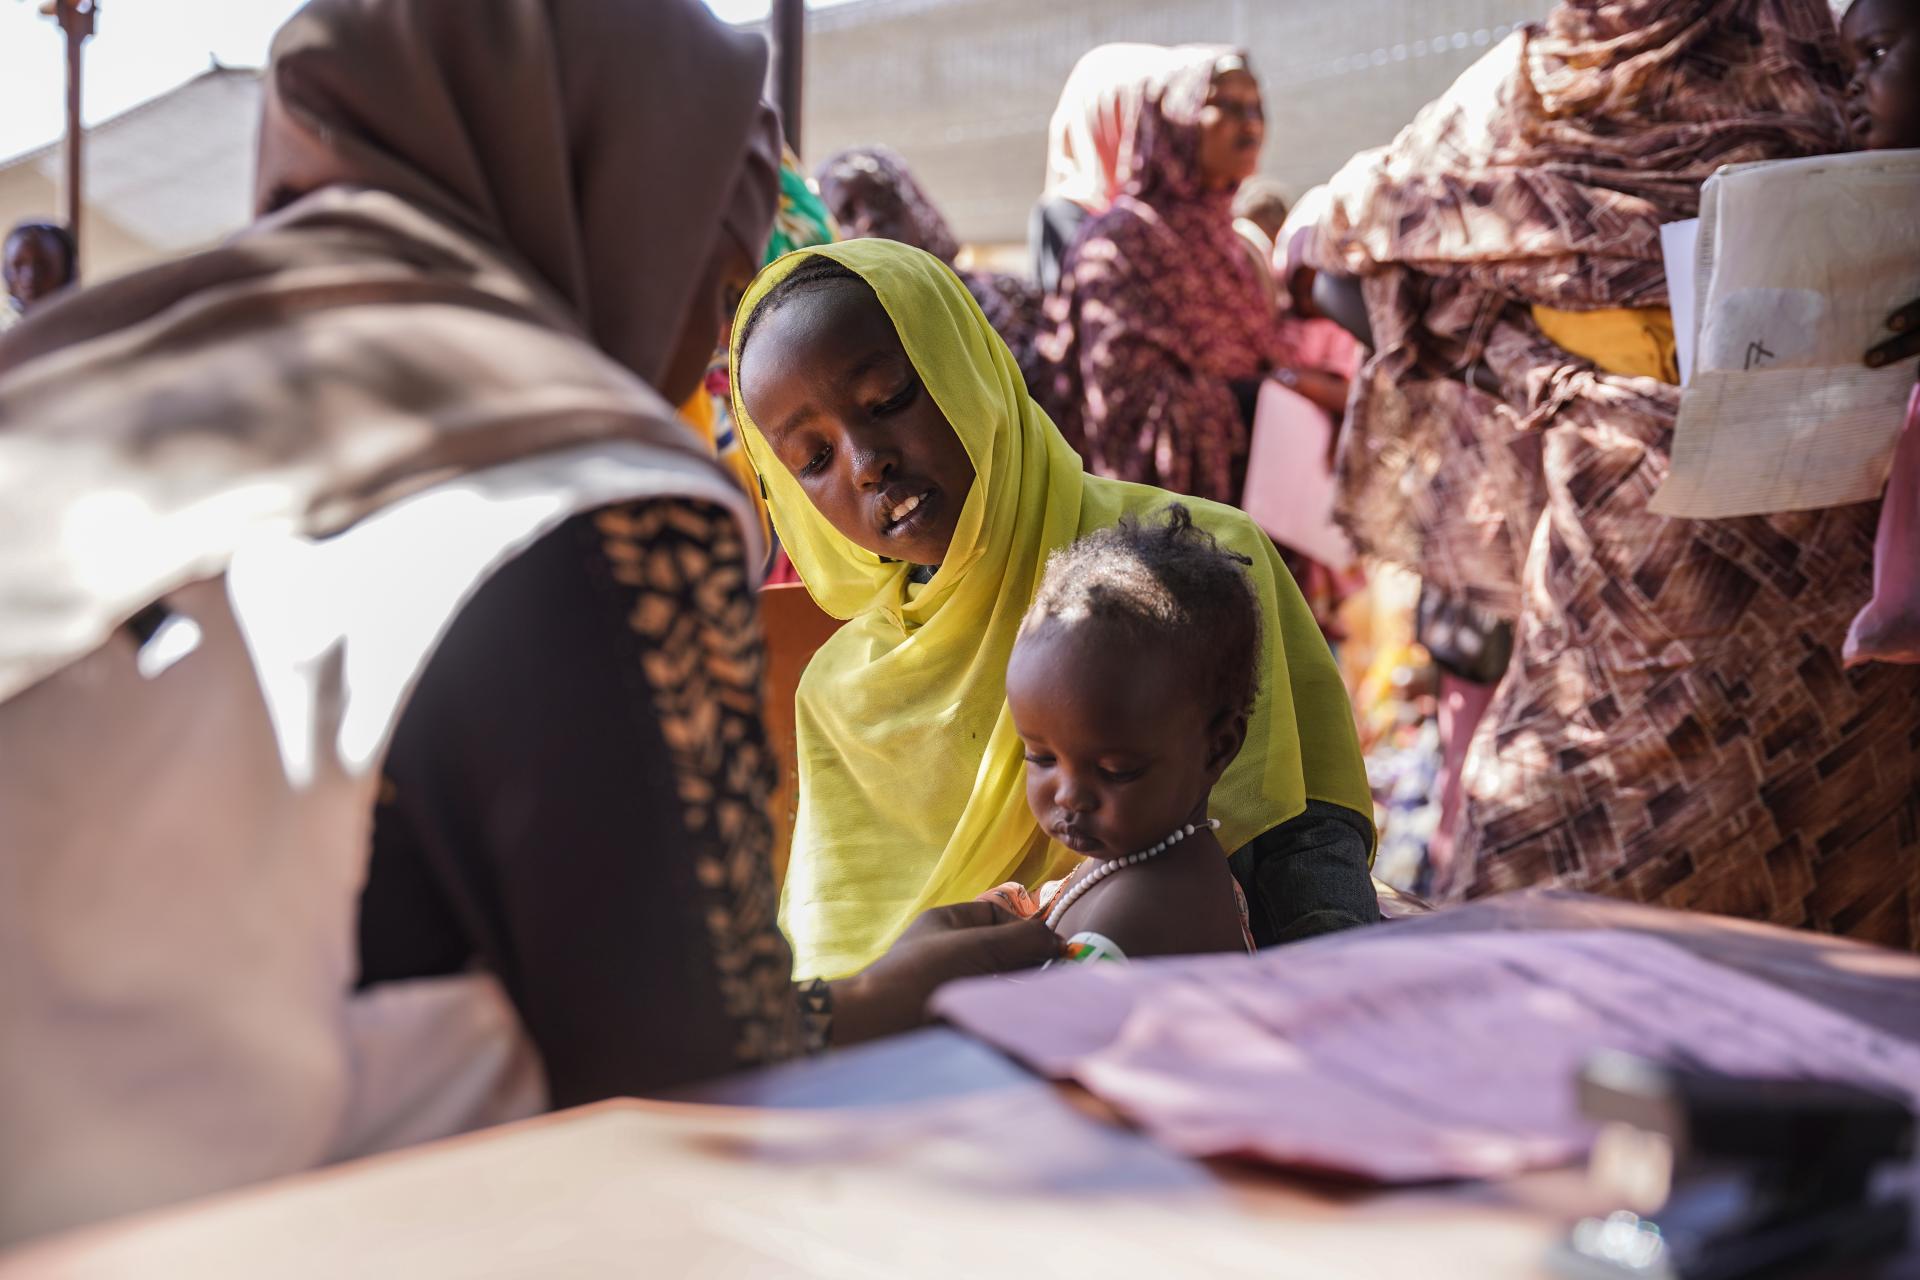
<point x="861" y="1014"/>
<point x="815" y="1000"/>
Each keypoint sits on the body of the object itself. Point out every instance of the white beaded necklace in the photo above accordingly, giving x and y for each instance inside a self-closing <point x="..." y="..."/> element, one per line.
<point x="1112" y="865"/>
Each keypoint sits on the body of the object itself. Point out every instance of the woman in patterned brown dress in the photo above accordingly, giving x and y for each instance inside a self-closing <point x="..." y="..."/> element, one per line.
<point x="1676" y="726"/>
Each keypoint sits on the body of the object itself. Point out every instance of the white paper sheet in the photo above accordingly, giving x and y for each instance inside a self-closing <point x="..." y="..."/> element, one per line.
<point x="1678" y="242"/>
<point x="1410" y="1058"/>
<point x="1798" y="264"/>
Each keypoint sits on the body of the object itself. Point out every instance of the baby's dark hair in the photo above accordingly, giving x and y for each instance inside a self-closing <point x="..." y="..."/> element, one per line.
<point x="816" y="271"/>
<point x="1168" y="585"/>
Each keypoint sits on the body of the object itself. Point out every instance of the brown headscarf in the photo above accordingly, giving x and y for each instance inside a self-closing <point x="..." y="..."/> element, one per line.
<point x="596" y="138"/>
<point x="479" y="202"/>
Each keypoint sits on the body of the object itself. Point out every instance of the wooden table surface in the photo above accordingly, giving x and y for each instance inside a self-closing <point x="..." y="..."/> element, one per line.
<point x="929" y="1155"/>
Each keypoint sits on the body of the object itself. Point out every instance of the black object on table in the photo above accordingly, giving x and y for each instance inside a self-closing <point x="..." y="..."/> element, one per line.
<point x="1727" y="1178"/>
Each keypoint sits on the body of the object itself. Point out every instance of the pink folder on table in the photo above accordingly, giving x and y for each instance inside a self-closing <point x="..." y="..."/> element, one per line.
<point x="1290" y="488"/>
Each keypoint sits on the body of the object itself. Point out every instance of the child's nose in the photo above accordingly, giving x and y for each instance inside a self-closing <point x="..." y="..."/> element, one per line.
<point x="1075" y="796"/>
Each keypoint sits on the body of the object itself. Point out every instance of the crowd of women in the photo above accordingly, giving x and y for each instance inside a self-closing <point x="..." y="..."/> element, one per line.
<point x="381" y="750"/>
<point x="1650" y="707"/>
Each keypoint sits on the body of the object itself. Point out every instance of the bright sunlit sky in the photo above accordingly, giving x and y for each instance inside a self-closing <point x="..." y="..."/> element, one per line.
<point x="144" y="48"/>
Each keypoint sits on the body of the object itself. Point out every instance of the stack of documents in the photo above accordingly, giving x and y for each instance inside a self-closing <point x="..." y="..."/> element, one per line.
<point x="1795" y="266"/>
<point x="1412" y="1056"/>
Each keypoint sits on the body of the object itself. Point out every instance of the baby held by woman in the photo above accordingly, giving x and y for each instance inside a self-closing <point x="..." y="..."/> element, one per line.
<point x="1130" y="686"/>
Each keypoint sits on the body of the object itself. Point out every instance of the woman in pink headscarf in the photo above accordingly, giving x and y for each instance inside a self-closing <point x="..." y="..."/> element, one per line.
<point x="1162" y="326"/>
<point x="1090" y="146"/>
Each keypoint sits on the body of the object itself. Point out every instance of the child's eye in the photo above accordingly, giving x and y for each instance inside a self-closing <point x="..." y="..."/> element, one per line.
<point x="1037" y="759"/>
<point x="1121" y="775"/>
<point x="816" y="463"/>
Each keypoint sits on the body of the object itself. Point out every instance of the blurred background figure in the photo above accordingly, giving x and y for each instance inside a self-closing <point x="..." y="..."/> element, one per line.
<point x="38" y="260"/>
<point x="1882" y="37"/>
<point x="1259" y="212"/>
<point x="1261" y="204"/>
<point x="871" y="192"/>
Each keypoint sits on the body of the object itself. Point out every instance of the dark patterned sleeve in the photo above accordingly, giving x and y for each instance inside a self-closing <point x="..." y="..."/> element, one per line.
<point x="1013" y="307"/>
<point x="579" y="801"/>
<point x="1308" y="876"/>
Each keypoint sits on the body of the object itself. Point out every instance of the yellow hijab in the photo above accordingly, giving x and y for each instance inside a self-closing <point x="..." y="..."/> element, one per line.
<point x="912" y="783"/>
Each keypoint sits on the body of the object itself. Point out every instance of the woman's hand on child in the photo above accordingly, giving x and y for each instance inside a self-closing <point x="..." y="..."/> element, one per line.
<point x="1905" y="324"/>
<point x="963" y="940"/>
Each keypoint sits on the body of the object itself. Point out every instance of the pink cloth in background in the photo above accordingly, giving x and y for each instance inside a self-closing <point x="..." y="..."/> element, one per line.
<point x="1290" y="487"/>
<point x="1407" y="1057"/>
<point x="1888" y="629"/>
<point x="1321" y="344"/>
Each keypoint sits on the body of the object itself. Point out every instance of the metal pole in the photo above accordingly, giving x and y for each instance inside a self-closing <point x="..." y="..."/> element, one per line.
<point x="789" y="28"/>
<point x="76" y="18"/>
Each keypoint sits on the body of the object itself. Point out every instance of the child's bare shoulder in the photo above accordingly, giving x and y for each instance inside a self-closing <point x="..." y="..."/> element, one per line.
<point x="1178" y="906"/>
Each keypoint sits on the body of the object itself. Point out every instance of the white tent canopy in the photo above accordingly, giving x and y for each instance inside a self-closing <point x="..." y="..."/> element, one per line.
<point x="172" y="175"/>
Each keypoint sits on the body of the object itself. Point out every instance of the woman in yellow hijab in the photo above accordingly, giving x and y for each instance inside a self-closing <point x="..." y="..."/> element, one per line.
<point x="920" y="490"/>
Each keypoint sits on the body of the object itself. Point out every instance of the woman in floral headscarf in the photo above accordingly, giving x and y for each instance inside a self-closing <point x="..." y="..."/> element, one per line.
<point x="1090" y="147"/>
<point x="1163" y="327"/>
<point x="873" y="193"/>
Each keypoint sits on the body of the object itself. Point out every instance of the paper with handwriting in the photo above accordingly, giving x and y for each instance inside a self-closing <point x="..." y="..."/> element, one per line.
<point x="1797" y="265"/>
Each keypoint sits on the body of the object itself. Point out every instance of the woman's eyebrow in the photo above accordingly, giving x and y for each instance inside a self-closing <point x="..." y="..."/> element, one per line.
<point x="868" y="363"/>
<point x="791" y="423"/>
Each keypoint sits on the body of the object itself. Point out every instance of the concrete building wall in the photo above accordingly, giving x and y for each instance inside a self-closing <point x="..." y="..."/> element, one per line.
<point x="963" y="88"/>
<point x="172" y="175"/>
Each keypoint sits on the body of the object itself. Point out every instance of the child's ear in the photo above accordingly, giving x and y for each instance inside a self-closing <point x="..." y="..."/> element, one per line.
<point x="1225" y="736"/>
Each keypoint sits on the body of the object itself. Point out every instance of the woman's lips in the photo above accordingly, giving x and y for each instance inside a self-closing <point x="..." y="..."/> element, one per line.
<point x="909" y="513"/>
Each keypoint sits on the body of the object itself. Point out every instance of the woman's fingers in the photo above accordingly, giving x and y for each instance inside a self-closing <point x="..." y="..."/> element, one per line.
<point x="1905" y="324"/>
<point x="962" y="915"/>
<point x="983" y="937"/>
<point x="1894" y="349"/>
<point x="963" y="940"/>
<point x="1020" y="944"/>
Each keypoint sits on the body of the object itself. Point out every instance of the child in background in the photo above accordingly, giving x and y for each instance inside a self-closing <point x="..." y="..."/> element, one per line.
<point x="1130" y="685"/>
<point x="1882" y="37"/>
